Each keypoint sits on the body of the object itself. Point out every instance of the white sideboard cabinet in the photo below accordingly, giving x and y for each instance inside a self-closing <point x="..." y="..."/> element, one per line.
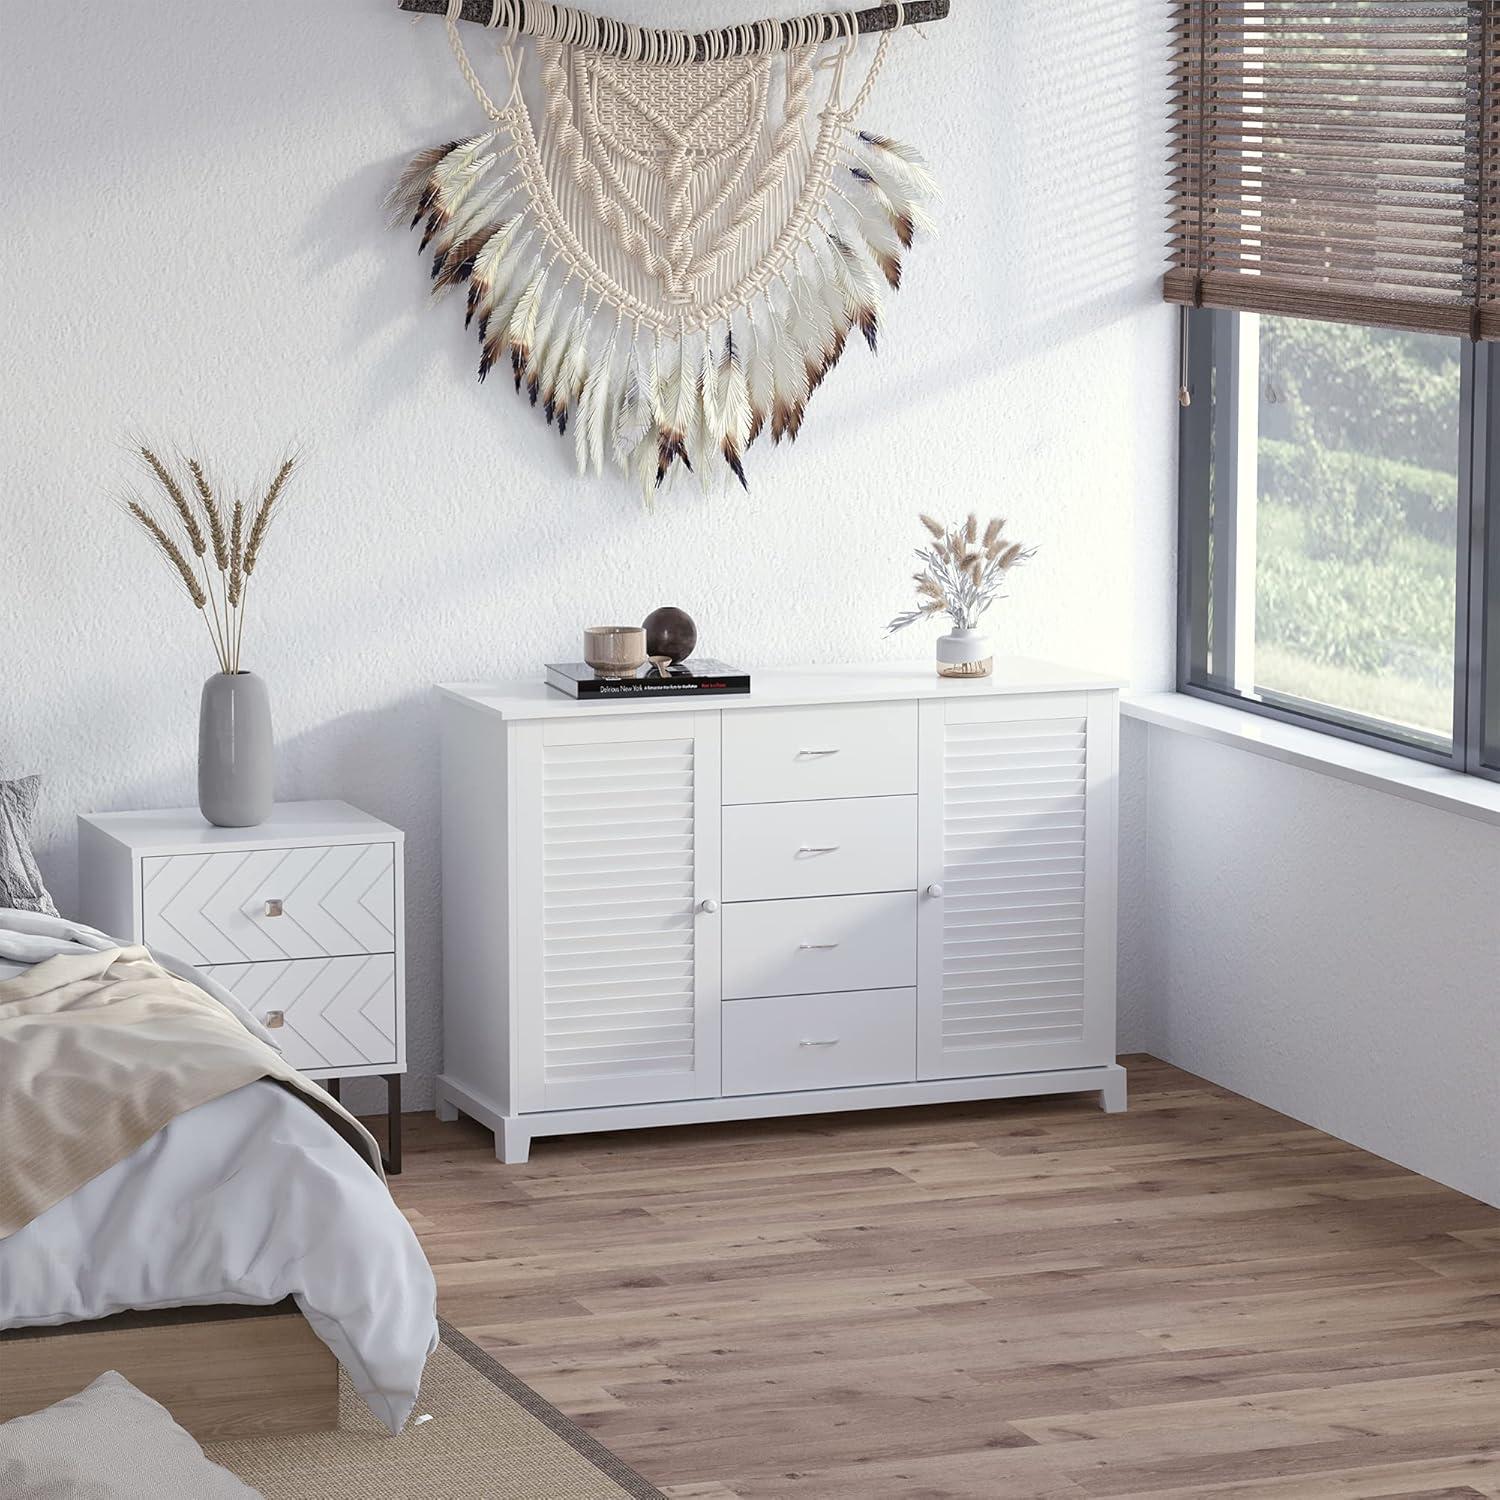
<point x="856" y="887"/>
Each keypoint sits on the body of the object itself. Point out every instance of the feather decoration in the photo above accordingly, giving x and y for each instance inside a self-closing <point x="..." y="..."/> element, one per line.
<point x="790" y="373"/>
<point x="879" y="237"/>
<point x="647" y="464"/>
<point x="632" y="415"/>
<point x="451" y="196"/>
<point x="556" y="358"/>
<point x="840" y="317"/>
<point x="455" y="264"/>
<point x="760" y="379"/>
<point x="487" y="266"/>
<point x="599" y="412"/>
<point x="574" y="371"/>
<point x="733" y="409"/>
<point x="494" y="326"/>
<point x="815" y="331"/>
<point x="676" y="418"/>
<point x="415" y="181"/>
<point x="860" y="285"/>
<point x="593" y="403"/>
<point x="905" y="214"/>
<point x="507" y="284"/>
<point x="476" y="220"/>
<point x="839" y="306"/>
<point x="520" y="330"/>
<point x="497" y="310"/>
<point x="543" y="345"/>
<point x="707" y="433"/>
<point x="417" y="192"/>
<point x="895" y="159"/>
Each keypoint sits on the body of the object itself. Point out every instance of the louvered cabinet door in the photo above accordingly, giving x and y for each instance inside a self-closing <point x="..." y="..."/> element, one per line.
<point x="617" y="963"/>
<point x="1016" y="924"/>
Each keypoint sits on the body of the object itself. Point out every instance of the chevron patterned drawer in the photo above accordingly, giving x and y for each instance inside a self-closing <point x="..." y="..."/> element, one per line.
<point x="235" y="906"/>
<point x="323" y="1012"/>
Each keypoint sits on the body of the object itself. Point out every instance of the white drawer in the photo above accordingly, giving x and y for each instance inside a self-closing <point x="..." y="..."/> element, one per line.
<point x="253" y="905"/>
<point x="774" y="850"/>
<point x="822" y="943"/>
<point x="323" y="1012"/>
<point x="846" y="750"/>
<point x="819" y="1041"/>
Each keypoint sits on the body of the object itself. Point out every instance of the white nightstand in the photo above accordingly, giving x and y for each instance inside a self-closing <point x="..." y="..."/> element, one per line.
<point x="300" y="917"/>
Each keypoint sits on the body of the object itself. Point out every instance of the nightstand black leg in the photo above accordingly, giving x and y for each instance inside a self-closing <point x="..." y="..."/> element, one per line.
<point x="393" y="1124"/>
<point x="332" y="1085"/>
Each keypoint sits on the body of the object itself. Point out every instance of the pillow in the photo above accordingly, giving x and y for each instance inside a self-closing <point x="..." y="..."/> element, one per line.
<point x="20" y="880"/>
<point x="109" y="1442"/>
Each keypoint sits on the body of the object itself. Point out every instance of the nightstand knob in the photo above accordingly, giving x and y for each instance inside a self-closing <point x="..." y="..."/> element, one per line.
<point x="708" y="907"/>
<point x="274" y="1019"/>
<point x="273" y="907"/>
<point x="934" y="890"/>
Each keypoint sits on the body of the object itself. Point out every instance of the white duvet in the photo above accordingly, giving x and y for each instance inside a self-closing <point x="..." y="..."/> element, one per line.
<point x="250" y="1198"/>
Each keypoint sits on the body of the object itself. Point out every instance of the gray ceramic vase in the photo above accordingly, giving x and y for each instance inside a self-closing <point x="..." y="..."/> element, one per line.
<point x="234" y="750"/>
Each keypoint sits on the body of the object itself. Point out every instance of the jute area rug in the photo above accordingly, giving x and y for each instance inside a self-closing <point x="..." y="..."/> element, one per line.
<point x="490" y="1438"/>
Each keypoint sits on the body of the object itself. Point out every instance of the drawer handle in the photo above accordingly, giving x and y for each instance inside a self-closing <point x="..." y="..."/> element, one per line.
<point x="274" y="907"/>
<point x="818" y="849"/>
<point x="801" y="753"/>
<point x="275" y="1019"/>
<point x="817" y="945"/>
<point x="828" y="1041"/>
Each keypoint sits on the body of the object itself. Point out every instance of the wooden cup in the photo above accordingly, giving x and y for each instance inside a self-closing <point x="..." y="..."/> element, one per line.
<point x="615" y="650"/>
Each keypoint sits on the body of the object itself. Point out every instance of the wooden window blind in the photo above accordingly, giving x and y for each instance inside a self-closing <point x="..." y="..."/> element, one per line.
<point x="1338" y="159"/>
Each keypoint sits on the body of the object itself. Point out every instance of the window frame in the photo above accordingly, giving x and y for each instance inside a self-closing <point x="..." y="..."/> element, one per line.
<point x="1206" y="568"/>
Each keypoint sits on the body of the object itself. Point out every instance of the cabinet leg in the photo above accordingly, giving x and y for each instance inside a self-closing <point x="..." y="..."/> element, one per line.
<point x="446" y="1112"/>
<point x="392" y="1156"/>
<point x="1112" y="1095"/>
<point x="512" y="1142"/>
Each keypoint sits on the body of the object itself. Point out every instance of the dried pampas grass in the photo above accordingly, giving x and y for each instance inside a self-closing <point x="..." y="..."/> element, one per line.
<point x="963" y="571"/>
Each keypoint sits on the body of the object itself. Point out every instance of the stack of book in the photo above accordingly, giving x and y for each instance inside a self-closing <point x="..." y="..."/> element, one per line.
<point x="696" y="675"/>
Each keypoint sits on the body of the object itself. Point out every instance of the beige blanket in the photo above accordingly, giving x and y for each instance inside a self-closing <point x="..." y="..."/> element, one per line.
<point x="98" y="1051"/>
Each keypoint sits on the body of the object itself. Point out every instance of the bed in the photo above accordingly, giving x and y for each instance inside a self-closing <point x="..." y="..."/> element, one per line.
<point x="250" y="1212"/>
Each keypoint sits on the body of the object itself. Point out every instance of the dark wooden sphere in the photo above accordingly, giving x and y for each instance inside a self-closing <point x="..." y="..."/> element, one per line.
<point x="670" y="632"/>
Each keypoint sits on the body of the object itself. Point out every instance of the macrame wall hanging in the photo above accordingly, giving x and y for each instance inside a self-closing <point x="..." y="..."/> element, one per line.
<point x="674" y="257"/>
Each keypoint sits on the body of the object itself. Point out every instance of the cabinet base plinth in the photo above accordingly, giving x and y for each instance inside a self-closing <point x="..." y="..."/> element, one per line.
<point x="514" y="1133"/>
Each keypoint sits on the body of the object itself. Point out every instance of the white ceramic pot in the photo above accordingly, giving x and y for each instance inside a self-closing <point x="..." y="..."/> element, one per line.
<point x="965" y="653"/>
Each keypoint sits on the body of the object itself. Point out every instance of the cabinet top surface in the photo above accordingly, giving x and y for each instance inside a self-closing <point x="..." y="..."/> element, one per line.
<point x="289" y="823"/>
<point x="774" y="687"/>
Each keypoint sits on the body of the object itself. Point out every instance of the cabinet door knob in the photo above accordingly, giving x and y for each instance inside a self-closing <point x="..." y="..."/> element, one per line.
<point x="274" y="1019"/>
<point x="273" y="907"/>
<point x="708" y="906"/>
<point x="934" y="890"/>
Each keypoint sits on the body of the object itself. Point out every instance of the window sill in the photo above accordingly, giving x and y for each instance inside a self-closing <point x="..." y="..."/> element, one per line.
<point x="1437" y="786"/>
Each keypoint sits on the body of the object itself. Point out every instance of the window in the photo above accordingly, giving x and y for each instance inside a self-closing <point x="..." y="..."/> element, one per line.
<point x="1336" y="254"/>
<point x="1333" y="494"/>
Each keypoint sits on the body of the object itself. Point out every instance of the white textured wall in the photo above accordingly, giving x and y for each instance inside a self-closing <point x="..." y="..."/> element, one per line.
<point x="1327" y="949"/>
<point x="193" y="250"/>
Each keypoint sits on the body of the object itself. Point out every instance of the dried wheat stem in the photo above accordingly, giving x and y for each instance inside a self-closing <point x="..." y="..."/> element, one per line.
<point x="169" y="549"/>
<point x="237" y="576"/>
<point x="179" y="501"/>
<point x="212" y="514"/>
<point x="208" y="590"/>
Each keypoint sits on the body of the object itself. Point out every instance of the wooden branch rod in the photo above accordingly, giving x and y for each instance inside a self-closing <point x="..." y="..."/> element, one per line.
<point x="728" y="42"/>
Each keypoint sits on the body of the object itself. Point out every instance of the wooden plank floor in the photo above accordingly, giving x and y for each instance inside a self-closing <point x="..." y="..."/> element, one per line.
<point x="1016" y="1301"/>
